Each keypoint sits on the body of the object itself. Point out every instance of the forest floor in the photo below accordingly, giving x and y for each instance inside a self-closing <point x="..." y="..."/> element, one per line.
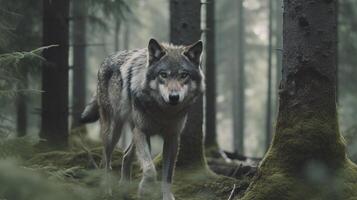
<point x="74" y="174"/>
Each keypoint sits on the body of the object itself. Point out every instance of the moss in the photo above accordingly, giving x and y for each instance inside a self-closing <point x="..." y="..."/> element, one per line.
<point x="72" y="167"/>
<point x="307" y="160"/>
<point x="197" y="183"/>
<point x="22" y="183"/>
<point x="276" y="184"/>
<point x="65" y="159"/>
<point x="212" y="151"/>
<point x="204" y="185"/>
<point x="303" y="139"/>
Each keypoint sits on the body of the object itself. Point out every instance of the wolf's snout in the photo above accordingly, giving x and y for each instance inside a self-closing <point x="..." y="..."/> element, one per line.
<point x="174" y="99"/>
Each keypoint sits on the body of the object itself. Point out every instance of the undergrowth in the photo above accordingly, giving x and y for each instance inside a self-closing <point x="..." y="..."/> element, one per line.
<point x="28" y="173"/>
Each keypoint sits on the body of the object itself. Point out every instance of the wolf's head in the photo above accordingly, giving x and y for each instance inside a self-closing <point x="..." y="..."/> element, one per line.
<point x="174" y="72"/>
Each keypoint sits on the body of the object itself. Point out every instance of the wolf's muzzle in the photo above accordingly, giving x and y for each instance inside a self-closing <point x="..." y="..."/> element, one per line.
<point x="174" y="99"/>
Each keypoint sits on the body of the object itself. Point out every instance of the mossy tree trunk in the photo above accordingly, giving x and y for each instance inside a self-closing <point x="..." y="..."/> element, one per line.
<point x="307" y="158"/>
<point x="185" y="29"/>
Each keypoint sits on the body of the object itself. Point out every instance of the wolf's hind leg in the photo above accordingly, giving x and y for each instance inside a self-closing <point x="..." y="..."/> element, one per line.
<point x="110" y="139"/>
<point x="126" y="162"/>
<point x="144" y="156"/>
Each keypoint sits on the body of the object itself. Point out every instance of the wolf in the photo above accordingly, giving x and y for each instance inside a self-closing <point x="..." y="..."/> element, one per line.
<point x="152" y="90"/>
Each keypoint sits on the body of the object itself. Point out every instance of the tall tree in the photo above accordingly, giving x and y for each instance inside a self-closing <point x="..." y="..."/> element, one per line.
<point x="239" y="86"/>
<point x="79" y="30"/>
<point x="307" y="141"/>
<point x="54" y="113"/>
<point x="268" y="123"/>
<point x="185" y="20"/>
<point x="210" y="139"/>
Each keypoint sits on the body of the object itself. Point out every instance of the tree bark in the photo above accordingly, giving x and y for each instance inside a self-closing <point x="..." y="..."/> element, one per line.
<point x="210" y="137"/>
<point x="239" y="87"/>
<point x="54" y="127"/>
<point x="79" y="11"/>
<point x="185" y="18"/>
<point x="307" y="139"/>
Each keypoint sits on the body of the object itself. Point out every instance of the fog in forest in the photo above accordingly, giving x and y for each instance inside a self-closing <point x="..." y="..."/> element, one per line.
<point x="248" y="64"/>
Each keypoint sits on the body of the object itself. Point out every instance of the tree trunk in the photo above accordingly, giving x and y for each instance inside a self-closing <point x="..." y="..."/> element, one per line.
<point x="79" y="11"/>
<point x="279" y="49"/>
<point x="54" y="127"/>
<point x="210" y="139"/>
<point x="116" y="35"/>
<point x="307" y="158"/>
<point x="239" y="87"/>
<point x="126" y="35"/>
<point x="185" y="29"/>
<point x="268" y="123"/>
<point x="21" y="104"/>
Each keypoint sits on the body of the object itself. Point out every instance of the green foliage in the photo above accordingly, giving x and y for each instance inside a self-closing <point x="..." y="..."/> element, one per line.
<point x="20" y="148"/>
<point x="70" y="175"/>
<point x="11" y="67"/>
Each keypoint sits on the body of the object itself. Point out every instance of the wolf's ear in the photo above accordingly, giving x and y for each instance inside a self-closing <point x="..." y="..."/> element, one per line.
<point x="155" y="51"/>
<point x="193" y="52"/>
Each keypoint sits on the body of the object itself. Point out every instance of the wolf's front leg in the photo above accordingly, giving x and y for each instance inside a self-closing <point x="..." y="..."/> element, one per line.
<point x="144" y="156"/>
<point x="169" y="160"/>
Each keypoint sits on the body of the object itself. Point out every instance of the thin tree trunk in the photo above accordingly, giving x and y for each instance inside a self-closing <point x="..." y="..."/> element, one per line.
<point x="126" y="36"/>
<point x="185" y="29"/>
<point x="307" y="141"/>
<point x="21" y="105"/>
<point x="268" y="123"/>
<point x="79" y="60"/>
<point x="116" y="35"/>
<point x="54" y="113"/>
<point x="210" y="139"/>
<point x="239" y="87"/>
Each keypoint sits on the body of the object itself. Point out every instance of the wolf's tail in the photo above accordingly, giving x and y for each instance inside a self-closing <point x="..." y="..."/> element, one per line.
<point x="91" y="111"/>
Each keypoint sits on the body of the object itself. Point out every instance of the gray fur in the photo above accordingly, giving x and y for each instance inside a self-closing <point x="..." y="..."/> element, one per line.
<point x="152" y="89"/>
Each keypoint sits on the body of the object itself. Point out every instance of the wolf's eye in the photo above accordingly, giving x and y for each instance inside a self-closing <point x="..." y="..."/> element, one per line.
<point x="183" y="75"/>
<point x="163" y="74"/>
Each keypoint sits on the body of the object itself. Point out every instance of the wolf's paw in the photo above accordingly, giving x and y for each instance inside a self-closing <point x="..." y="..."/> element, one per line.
<point x="148" y="189"/>
<point x="168" y="196"/>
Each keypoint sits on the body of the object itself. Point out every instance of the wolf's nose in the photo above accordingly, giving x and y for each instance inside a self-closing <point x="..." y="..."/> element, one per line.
<point x="174" y="98"/>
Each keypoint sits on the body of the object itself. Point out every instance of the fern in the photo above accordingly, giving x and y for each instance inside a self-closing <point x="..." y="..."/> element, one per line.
<point x="10" y="70"/>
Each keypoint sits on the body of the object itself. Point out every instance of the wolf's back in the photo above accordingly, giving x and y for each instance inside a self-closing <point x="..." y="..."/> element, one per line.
<point x="115" y="68"/>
